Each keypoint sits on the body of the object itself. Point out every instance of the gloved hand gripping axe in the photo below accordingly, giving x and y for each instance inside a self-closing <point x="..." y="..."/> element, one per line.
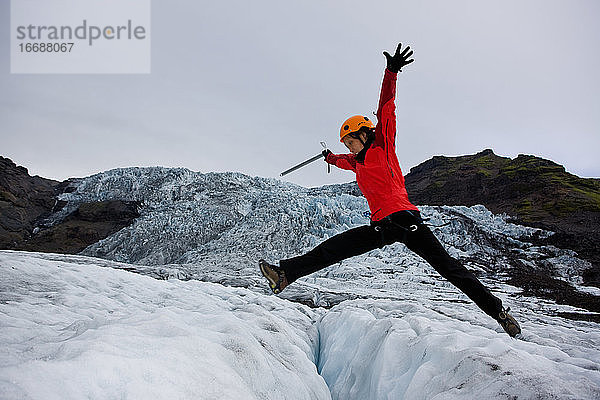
<point x="315" y="158"/>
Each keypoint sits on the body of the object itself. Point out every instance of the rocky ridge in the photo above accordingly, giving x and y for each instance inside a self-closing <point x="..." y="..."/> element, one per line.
<point x="27" y="201"/>
<point x="532" y="190"/>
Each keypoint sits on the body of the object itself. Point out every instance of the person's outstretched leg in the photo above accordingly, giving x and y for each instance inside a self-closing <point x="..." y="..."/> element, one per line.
<point x="425" y="244"/>
<point x="335" y="249"/>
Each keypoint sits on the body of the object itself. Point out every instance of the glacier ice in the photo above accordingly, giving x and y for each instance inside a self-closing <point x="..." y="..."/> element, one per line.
<point x="73" y="329"/>
<point x="216" y="226"/>
<point x="390" y="326"/>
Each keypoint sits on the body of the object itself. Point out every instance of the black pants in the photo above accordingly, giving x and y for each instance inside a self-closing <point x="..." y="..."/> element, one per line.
<point x="395" y="228"/>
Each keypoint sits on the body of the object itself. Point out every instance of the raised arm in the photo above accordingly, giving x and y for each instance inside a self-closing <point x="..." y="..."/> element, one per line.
<point x="385" y="132"/>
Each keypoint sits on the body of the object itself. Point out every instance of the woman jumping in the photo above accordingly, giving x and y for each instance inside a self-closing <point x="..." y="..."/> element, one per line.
<point x="393" y="217"/>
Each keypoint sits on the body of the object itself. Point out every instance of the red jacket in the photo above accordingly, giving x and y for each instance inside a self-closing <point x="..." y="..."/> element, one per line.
<point x="379" y="177"/>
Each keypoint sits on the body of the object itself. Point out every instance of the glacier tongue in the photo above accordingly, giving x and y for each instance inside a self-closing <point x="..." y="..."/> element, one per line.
<point x="214" y="227"/>
<point x="73" y="327"/>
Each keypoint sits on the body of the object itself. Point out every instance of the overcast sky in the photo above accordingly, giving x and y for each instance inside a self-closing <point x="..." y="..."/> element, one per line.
<point x="254" y="86"/>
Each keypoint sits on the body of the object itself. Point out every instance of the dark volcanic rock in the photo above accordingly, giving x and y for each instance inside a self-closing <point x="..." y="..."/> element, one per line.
<point x="25" y="201"/>
<point x="533" y="190"/>
<point x="528" y="187"/>
<point x="88" y="224"/>
<point x="543" y="285"/>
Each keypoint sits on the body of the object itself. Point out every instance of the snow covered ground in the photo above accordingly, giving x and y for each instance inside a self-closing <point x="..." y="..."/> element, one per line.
<point x="74" y="327"/>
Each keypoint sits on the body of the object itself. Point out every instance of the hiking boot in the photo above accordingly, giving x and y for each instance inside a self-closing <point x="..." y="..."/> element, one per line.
<point x="275" y="275"/>
<point x="508" y="323"/>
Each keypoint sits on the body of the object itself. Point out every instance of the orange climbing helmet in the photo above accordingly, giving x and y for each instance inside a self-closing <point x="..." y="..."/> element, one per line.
<point x="353" y="124"/>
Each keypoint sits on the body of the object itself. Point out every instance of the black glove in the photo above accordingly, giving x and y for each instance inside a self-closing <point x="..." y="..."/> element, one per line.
<point x="325" y="153"/>
<point x="399" y="60"/>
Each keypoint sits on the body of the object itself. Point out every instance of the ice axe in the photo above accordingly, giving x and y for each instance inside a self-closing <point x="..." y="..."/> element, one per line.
<point x="302" y="164"/>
